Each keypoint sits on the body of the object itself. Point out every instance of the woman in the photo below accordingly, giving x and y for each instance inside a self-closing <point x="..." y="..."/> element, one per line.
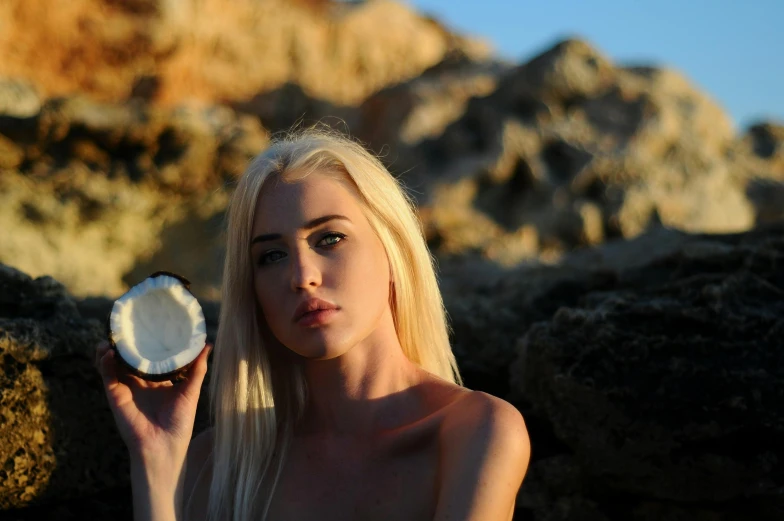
<point x="334" y="392"/>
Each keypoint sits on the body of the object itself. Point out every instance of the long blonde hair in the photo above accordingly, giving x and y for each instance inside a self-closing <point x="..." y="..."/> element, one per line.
<point x="256" y="396"/>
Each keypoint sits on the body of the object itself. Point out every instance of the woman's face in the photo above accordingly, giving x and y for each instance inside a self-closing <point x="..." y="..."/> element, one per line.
<point x="298" y="253"/>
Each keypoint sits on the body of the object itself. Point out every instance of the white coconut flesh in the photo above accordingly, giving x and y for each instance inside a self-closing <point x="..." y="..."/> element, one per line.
<point x="158" y="326"/>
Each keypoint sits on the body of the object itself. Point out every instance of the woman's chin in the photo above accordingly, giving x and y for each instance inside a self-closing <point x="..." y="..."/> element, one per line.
<point x="320" y="350"/>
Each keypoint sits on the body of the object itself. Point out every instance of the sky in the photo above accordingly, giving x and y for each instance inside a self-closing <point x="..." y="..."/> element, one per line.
<point x="732" y="50"/>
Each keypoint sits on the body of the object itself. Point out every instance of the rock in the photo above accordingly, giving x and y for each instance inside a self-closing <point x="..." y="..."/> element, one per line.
<point x="563" y="152"/>
<point x="208" y="52"/>
<point x="402" y="115"/>
<point x="11" y="155"/>
<point x="675" y="112"/>
<point x="18" y="98"/>
<point x="490" y="310"/>
<point x="767" y="196"/>
<point x="663" y="383"/>
<point x="766" y="140"/>
<point x="759" y="158"/>
<point x="54" y="411"/>
<point x="289" y="106"/>
<point x="583" y="151"/>
<point x="104" y="184"/>
<point x="569" y="70"/>
<point x="62" y="456"/>
<point x="174" y="149"/>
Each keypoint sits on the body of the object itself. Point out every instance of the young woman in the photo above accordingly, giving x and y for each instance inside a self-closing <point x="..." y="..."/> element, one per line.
<point x="334" y="391"/>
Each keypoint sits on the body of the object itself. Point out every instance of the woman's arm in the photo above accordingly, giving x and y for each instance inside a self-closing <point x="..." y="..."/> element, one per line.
<point x="484" y="456"/>
<point x="157" y="491"/>
<point x="155" y="420"/>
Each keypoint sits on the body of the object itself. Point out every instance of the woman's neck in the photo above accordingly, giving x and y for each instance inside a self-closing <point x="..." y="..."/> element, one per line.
<point x="363" y="391"/>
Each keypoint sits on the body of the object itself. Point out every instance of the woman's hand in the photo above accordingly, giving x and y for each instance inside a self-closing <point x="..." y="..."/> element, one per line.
<point x="155" y="419"/>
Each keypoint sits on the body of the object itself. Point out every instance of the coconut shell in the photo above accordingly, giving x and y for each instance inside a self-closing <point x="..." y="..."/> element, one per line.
<point x="174" y="376"/>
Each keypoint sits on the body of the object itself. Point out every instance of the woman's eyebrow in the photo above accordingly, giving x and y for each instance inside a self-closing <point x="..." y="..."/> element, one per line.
<point x="308" y="226"/>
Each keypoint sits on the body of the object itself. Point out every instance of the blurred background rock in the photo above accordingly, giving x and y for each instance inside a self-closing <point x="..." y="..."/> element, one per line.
<point x="610" y="247"/>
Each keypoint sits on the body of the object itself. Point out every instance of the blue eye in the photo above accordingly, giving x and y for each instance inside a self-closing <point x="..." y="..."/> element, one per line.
<point x="265" y="258"/>
<point x="340" y="236"/>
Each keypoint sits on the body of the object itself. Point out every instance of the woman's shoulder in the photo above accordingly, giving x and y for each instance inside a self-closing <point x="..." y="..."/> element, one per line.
<point x="477" y="428"/>
<point x="468" y="418"/>
<point x="483" y="441"/>
<point x="481" y="414"/>
<point x="460" y="408"/>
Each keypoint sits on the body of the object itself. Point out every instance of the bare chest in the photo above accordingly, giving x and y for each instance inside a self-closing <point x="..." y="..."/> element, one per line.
<point x="396" y="480"/>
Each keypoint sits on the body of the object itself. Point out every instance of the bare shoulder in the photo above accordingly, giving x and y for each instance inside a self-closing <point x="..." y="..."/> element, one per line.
<point x="480" y="418"/>
<point x="485" y="453"/>
<point x="199" y="452"/>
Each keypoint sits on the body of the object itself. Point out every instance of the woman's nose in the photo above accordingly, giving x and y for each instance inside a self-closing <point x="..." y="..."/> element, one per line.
<point x="304" y="269"/>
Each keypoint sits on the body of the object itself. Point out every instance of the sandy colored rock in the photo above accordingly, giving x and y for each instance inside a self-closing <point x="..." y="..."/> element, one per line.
<point x="210" y="51"/>
<point x="18" y="98"/>
<point x="507" y="165"/>
<point x="758" y="158"/>
<point x="403" y="115"/>
<point x="110" y="189"/>
<point x="583" y="150"/>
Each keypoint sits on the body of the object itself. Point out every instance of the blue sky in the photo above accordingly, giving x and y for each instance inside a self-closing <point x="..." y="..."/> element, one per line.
<point x="732" y="50"/>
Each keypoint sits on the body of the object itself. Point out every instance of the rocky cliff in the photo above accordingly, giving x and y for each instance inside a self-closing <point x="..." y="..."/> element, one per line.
<point x="170" y="51"/>
<point x="610" y="247"/>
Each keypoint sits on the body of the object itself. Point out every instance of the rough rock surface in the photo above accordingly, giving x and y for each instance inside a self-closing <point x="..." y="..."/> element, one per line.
<point x="403" y="115"/>
<point x="54" y="412"/>
<point x="215" y="51"/>
<point x="508" y="165"/>
<point x="664" y="386"/>
<point x="571" y="150"/>
<point x="760" y="152"/>
<point x="100" y="196"/>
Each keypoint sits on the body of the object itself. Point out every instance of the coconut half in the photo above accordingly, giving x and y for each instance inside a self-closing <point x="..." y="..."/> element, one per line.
<point x="157" y="328"/>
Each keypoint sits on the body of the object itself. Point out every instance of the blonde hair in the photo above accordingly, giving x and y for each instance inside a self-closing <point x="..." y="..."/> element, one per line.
<point x="256" y="396"/>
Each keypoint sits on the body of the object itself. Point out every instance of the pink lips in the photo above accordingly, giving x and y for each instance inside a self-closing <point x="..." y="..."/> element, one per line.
<point x="314" y="309"/>
<point x="316" y="318"/>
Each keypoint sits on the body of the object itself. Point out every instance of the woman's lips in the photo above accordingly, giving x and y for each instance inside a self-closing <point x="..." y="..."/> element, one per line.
<point x="317" y="318"/>
<point x="311" y="304"/>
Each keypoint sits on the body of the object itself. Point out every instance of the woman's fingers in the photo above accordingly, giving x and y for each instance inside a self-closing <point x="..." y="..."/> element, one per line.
<point x="196" y="374"/>
<point x="100" y="350"/>
<point x="107" y="366"/>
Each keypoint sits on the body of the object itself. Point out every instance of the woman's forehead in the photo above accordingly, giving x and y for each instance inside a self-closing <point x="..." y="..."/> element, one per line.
<point x="291" y="204"/>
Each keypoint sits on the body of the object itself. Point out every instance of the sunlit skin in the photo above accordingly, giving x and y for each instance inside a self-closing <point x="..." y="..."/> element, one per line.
<point x="381" y="438"/>
<point x="356" y="357"/>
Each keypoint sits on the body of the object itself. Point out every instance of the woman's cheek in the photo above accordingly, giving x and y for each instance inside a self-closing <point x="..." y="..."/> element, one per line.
<point x="264" y="299"/>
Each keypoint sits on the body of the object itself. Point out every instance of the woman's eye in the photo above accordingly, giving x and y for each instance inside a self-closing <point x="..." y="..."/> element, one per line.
<point x="328" y="240"/>
<point x="333" y="235"/>
<point x="265" y="259"/>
